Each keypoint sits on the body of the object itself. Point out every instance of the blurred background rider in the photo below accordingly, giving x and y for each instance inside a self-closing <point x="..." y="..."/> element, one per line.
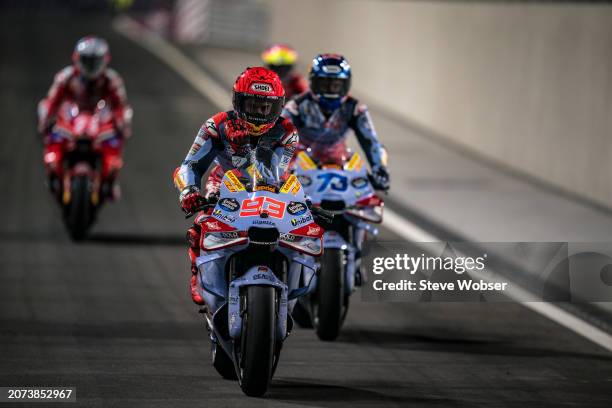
<point x="86" y="82"/>
<point x="281" y="58"/>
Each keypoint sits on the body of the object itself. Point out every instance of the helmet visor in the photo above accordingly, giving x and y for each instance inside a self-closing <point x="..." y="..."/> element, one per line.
<point x="259" y="109"/>
<point x="330" y="87"/>
<point x="91" y="65"/>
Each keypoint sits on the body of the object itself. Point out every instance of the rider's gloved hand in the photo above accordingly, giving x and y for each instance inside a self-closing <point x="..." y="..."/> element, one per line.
<point x="380" y="178"/>
<point x="211" y="196"/>
<point x="191" y="200"/>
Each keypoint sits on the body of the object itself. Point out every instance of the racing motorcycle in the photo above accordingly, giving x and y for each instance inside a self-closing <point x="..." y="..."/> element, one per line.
<point x="257" y="246"/>
<point x="82" y="190"/>
<point x="345" y="191"/>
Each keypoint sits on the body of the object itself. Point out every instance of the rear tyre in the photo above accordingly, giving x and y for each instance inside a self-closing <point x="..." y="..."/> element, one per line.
<point x="328" y="304"/>
<point x="222" y="362"/>
<point x="258" y="338"/>
<point x="80" y="209"/>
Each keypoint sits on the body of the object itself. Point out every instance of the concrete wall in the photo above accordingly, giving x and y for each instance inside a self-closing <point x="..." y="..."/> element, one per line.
<point x="529" y="85"/>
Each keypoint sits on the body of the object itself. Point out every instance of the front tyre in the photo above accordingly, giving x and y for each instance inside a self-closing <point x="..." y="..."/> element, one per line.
<point x="329" y="301"/>
<point x="258" y="339"/>
<point x="79" y="209"/>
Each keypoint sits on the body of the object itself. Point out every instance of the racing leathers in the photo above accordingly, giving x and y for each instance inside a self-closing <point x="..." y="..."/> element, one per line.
<point x="69" y="85"/>
<point x="222" y="139"/>
<point x="325" y="133"/>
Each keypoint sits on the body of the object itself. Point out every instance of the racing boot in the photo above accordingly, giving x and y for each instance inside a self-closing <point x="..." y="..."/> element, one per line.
<point x="193" y="238"/>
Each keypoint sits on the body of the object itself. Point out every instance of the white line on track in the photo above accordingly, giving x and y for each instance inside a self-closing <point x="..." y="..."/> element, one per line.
<point x="212" y="91"/>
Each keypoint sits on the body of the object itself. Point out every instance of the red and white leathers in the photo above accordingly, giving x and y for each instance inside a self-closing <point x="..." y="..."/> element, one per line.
<point x="224" y="140"/>
<point x="69" y="85"/>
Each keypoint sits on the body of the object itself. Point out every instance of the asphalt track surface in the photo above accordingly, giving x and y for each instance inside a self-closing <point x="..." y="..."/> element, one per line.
<point x="112" y="315"/>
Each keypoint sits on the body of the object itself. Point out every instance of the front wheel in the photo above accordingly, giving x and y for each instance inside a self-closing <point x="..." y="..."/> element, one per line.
<point x="258" y="340"/>
<point x="328" y="303"/>
<point x="79" y="213"/>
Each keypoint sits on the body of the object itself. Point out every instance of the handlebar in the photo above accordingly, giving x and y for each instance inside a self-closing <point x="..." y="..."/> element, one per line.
<point x="207" y="203"/>
<point x="318" y="212"/>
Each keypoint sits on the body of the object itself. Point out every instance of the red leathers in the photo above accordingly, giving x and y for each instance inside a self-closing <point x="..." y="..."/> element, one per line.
<point x="87" y="82"/>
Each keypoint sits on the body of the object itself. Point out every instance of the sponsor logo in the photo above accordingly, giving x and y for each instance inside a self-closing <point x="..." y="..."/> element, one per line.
<point x="296" y="208"/>
<point x="211" y="127"/>
<point x="285" y="160"/>
<point x="229" y="186"/>
<point x="293" y="138"/>
<point x="263" y="269"/>
<point x="331" y="69"/>
<point x="228" y="235"/>
<point x="262" y="222"/>
<point x="263" y="276"/>
<point x="288" y="237"/>
<point x="194" y="148"/>
<point x="265" y="188"/>
<point x="233" y="179"/>
<point x="300" y="221"/>
<point x="288" y="184"/>
<point x="261" y="87"/>
<point x="223" y="217"/>
<point x="213" y="225"/>
<point x="228" y="204"/>
<point x="313" y="230"/>
<point x="359" y="182"/>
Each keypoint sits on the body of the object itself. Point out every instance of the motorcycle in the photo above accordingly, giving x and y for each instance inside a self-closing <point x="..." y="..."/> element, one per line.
<point x="257" y="246"/>
<point x="346" y="191"/>
<point x="81" y="190"/>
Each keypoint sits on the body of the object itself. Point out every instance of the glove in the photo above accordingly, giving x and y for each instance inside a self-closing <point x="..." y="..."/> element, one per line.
<point x="380" y="178"/>
<point x="191" y="200"/>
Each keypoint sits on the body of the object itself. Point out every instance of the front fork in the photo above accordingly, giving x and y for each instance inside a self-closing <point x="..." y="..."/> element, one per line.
<point x="357" y="234"/>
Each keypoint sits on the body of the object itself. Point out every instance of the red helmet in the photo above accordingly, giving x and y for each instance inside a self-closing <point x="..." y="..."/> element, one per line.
<point x="258" y="98"/>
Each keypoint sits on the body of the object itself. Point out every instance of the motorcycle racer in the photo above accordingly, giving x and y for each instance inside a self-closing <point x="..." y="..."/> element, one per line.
<point x="88" y="82"/>
<point x="281" y="58"/>
<point x="231" y="139"/>
<point x="324" y="115"/>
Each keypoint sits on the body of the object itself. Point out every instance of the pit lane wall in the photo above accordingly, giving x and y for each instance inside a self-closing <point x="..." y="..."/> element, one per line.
<point x="526" y="84"/>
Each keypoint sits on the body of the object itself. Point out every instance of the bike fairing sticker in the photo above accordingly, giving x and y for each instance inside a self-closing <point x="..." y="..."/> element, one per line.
<point x="296" y="208"/>
<point x="229" y="204"/>
<point x="300" y="221"/>
<point x="254" y="207"/>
